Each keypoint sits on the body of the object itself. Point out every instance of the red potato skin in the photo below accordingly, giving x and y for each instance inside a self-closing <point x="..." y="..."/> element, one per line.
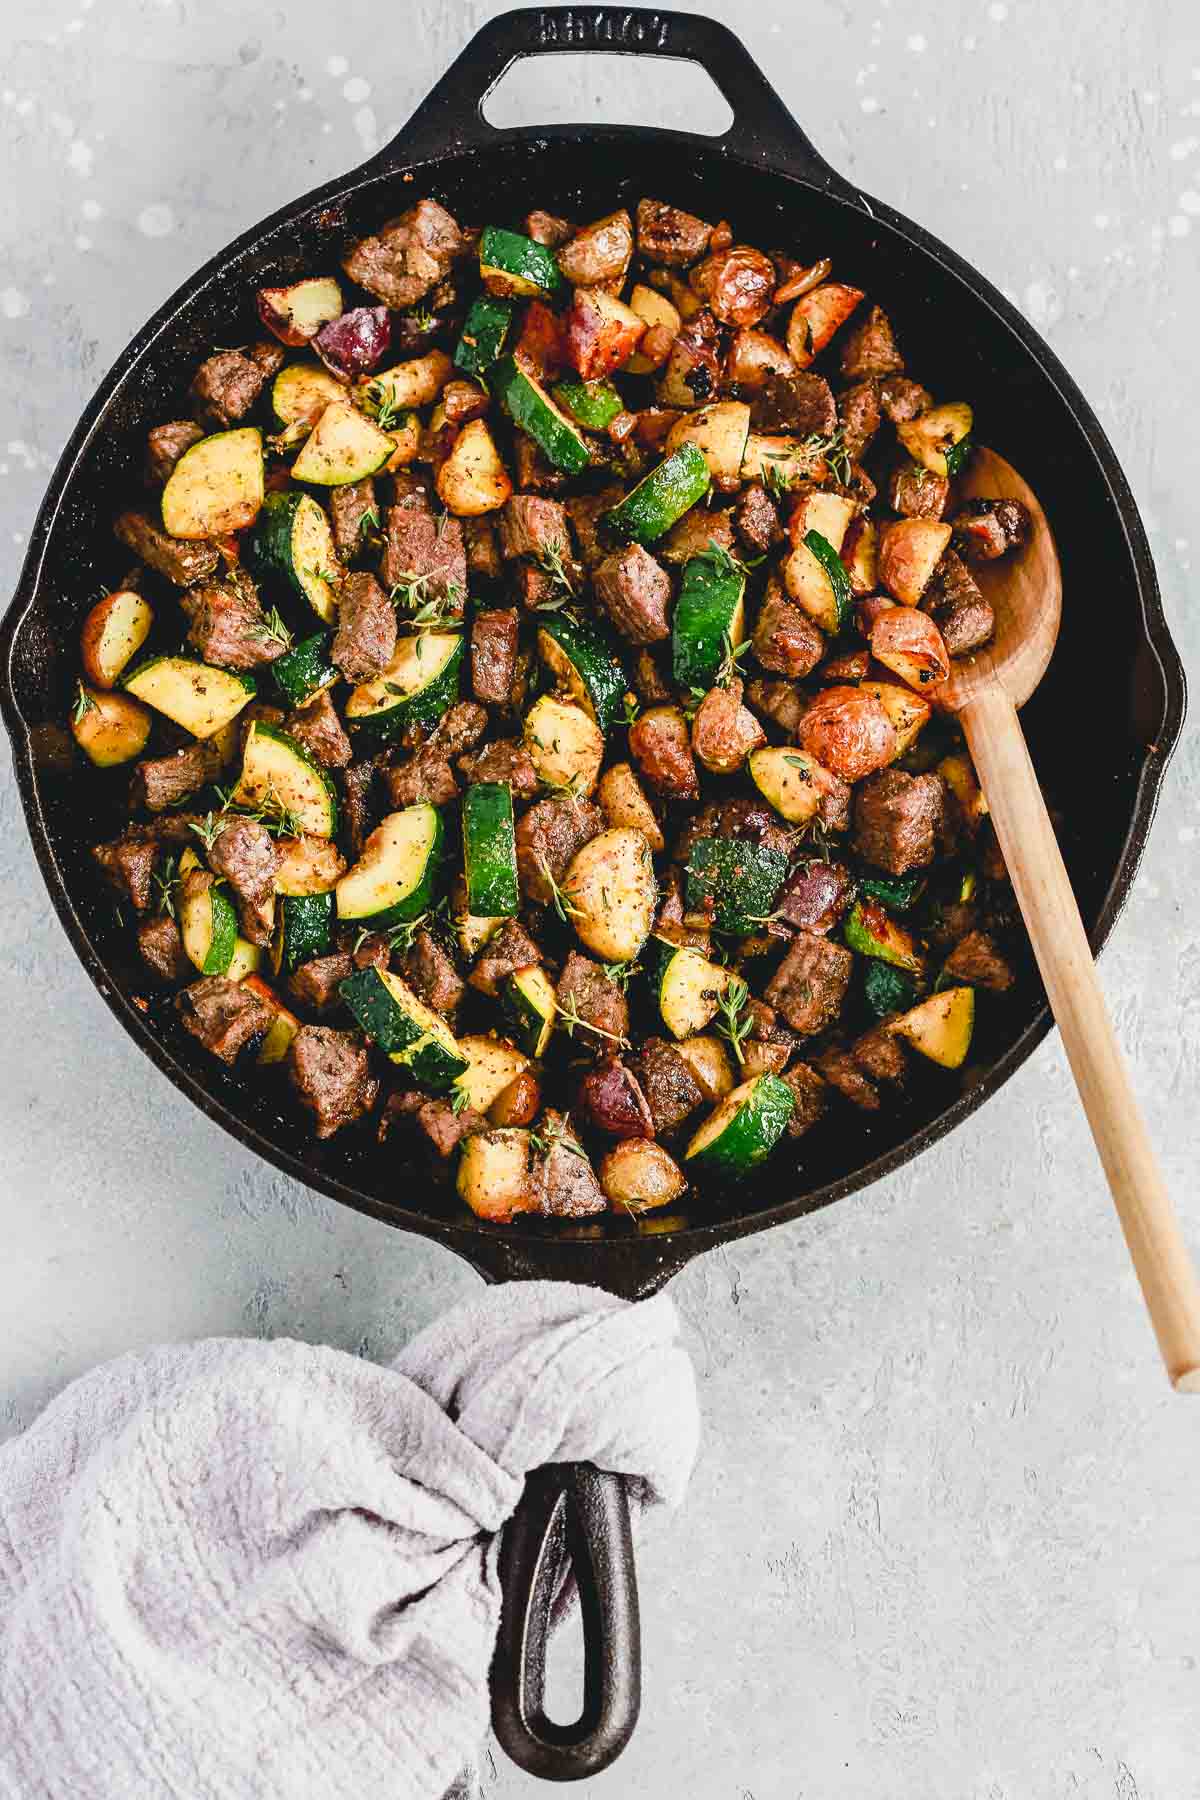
<point x="612" y="1099"/>
<point x="596" y="344"/>
<point x="737" y="284"/>
<point x="848" y="732"/>
<point x="541" y="349"/>
<point x="356" y="343"/>
<point x="519" y="1103"/>
<point x="869" y="611"/>
<point x="815" y="318"/>
<point x="903" y="636"/>
<point x="273" y="311"/>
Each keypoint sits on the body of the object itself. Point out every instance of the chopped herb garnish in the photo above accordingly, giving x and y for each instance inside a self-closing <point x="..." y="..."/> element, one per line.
<point x="370" y="520"/>
<point x="273" y="630"/>
<point x="427" y="611"/>
<point x="737" y="1021"/>
<point x="562" y="905"/>
<point x="731" y="656"/>
<point x="621" y="972"/>
<point x="84" y="703"/>
<point x="389" y="416"/>
<point x="164" y="887"/>
<point x="460" y="1100"/>
<point x="551" y="560"/>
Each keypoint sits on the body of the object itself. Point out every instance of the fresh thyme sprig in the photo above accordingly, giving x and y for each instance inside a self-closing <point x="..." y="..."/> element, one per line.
<point x="164" y="887"/>
<point x="403" y="936"/>
<point x="460" y="1099"/>
<point x="273" y="629"/>
<point x="633" y="710"/>
<point x="737" y="1021"/>
<point x="558" y="898"/>
<point x="389" y="415"/>
<point x="552" y="1134"/>
<point x="426" y="611"/>
<point x="551" y="560"/>
<point x="621" y="973"/>
<point x="721" y="561"/>
<point x="570" y="1018"/>
<point x="731" y="657"/>
<point x="370" y="521"/>
<point x="82" y="704"/>
<point x="270" y="812"/>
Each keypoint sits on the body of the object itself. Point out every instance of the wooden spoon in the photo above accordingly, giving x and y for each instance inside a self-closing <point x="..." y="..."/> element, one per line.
<point x="985" y="691"/>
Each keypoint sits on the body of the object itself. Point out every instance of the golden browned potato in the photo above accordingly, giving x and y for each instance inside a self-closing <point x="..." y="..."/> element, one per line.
<point x="816" y="316"/>
<point x="848" y="732"/>
<point x="737" y="283"/>
<point x="612" y="891"/>
<point x="495" y="1174"/>
<point x="109" y="728"/>
<point x="908" y="643"/>
<point x="638" y="1175"/>
<point x="719" y="431"/>
<point x="414" y="383"/>
<point x="706" y="1057"/>
<point x="623" y="802"/>
<point x="407" y="439"/>
<point x="518" y="1103"/>
<point x="113" y="631"/>
<point x="724" y="732"/>
<point x="663" y="322"/>
<point x="752" y="356"/>
<point x="565" y="745"/>
<point x="600" y="252"/>
<point x="473" y="479"/>
<point x="860" y="553"/>
<point x="907" y="711"/>
<point x="928" y="437"/>
<point x="909" y="551"/>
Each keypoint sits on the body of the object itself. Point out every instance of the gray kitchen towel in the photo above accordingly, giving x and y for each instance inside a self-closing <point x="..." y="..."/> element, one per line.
<point x="234" y="1569"/>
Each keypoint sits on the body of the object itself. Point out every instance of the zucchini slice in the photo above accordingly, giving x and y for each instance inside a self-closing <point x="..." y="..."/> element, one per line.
<point x="734" y="881"/>
<point x="283" y="1027"/>
<point x="303" y="929"/>
<point x="407" y="1030"/>
<point x="744" y="1129"/>
<point x="529" y="405"/>
<point x="513" y="266"/>
<point x="194" y="694"/>
<point x="484" y="330"/>
<point x="216" y="486"/>
<point x="788" y="778"/>
<point x="565" y="744"/>
<point x="471" y="930"/>
<point x="489" y="850"/>
<point x="592" y="404"/>
<point x="292" y="542"/>
<point x="887" y="989"/>
<point x="311" y="865"/>
<point x="530" y="1002"/>
<point x="208" y="924"/>
<point x="579" y="657"/>
<point x="417" y="687"/>
<point x="394" y="878"/>
<point x="299" y="395"/>
<point x="872" y="932"/>
<point x="278" y="771"/>
<point x="611" y="887"/>
<point x="896" y="891"/>
<point x="305" y="670"/>
<point x="689" y="991"/>
<point x="940" y="1028"/>
<point x="493" y="1063"/>
<point x="710" y="609"/>
<point x="342" y="447"/>
<point x="660" y="498"/>
<point x="719" y="431"/>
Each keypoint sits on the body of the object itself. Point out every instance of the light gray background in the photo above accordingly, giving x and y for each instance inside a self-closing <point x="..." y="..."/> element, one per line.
<point x="941" y="1542"/>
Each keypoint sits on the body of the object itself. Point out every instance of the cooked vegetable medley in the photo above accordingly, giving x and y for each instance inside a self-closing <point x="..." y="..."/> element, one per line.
<point x="529" y="677"/>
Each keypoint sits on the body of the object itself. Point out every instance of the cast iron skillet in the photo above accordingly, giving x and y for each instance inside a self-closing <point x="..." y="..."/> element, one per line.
<point x="959" y="334"/>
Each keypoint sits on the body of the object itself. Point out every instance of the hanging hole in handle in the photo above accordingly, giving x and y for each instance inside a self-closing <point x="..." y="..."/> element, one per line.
<point x="608" y="90"/>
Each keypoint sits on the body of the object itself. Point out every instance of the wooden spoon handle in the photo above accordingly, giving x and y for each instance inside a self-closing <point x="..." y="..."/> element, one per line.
<point x="1160" y="1256"/>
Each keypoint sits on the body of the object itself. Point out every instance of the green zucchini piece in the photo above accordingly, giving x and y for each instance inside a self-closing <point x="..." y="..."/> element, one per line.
<point x="789" y="779"/>
<point x="216" y="486"/>
<point x="735" y="881"/>
<point x="709" y="610"/>
<point x="299" y="395"/>
<point x="956" y="456"/>
<point x="343" y="446"/>
<point x="417" y="687"/>
<point x="278" y="772"/>
<point x="407" y="1030"/>
<point x="529" y="405"/>
<point x="744" y="1129"/>
<point x="208" y="924"/>
<point x="896" y="891"/>
<point x="888" y="989"/>
<point x="512" y="265"/>
<point x="592" y="404"/>
<point x="583" y="659"/>
<point x="303" y="929"/>
<point x="660" y="498"/>
<point x="529" y="1000"/>
<point x="395" y="877"/>
<point x="489" y="850"/>
<point x="305" y="670"/>
<point x="689" y="990"/>
<point x="837" y="573"/>
<point x="872" y="932"/>
<point x="292" y="543"/>
<point x="192" y="693"/>
<point x="484" y="330"/>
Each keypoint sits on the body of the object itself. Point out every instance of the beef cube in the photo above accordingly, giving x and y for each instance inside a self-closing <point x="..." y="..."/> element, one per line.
<point x="128" y="864"/>
<point x="650" y="683"/>
<point x="423" y="548"/>
<point x="162" y="950"/>
<point x="815" y="896"/>
<point x="165" y="444"/>
<point x="352" y="512"/>
<point x="548" y="836"/>
<point x="986" y="529"/>
<point x="977" y="962"/>
<point x="223" y="1015"/>
<point x="246" y="854"/>
<point x="756" y="521"/>
<point x="611" y="1099"/>
<point x="671" y="1090"/>
<point x="661" y="745"/>
<point x="494" y="638"/>
<point x="810" y="1094"/>
<point x="331" y="1074"/>
<point x="897" y="819"/>
<point x="365" y="640"/>
<point x="879" y="1053"/>
<point x="869" y="348"/>
<point x="584" y="512"/>
<point x="563" y="1184"/>
<point x="596" y="1004"/>
<point x="409" y="257"/>
<point x="426" y="776"/>
<point x="506" y="760"/>
<point x="178" y="559"/>
<point x="444" y="1128"/>
<point x="766" y="1028"/>
<point x="901" y="399"/>
<point x="316" y="725"/>
<point x="512" y="948"/>
<point x="226" y="386"/>
<point x="535" y="586"/>
<point x="861" y="416"/>
<point x="800" y="404"/>
<point x="160" y="782"/>
<point x="670" y="236"/>
<point x="374" y="951"/>
<point x="669" y="920"/>
<point x="785" y="639"/>
<point x="460" y="728"/>
<point x="853" y="666"/>
<point x="431" y="974"/>
<point x="483" y="552"/>
<point x="534" y="470"/>
<point x="960" y="611"/>
<point x="317" y="981"/>
<point x="840" y="1070"/>
<point x="546" y="228"/>
<point x="917" y="493"/>
<point x="635" y="591"/>
<point x="530" y="525"/>
<point x="810" y="984"/>
<point x="357" y="810"/>
<point x="778" y="701"/>
<point x="228" y="626"/>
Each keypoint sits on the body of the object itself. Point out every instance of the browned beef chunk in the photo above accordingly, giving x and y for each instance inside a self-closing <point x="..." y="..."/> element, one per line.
<point x="897" y="818"/>
<point x="365" y="639"/>
<point x="534" y="585"/>
<point x="917" y="493"/>
<point x="879" y="1053"/>
<point x="223" y="1015"/>
<point x="165" y="444"/>
<point x="127" y="864"/>
<point x="357" y="784"/>
<point x="584" y="512"/>
<point x="409" y="257"/>
<point x="755" y="520"/>
<point x="671" y="1090"/>
<point x="815" y="895"/>
<point x="667" y="235"/>
<point x="331" y="1075"/>
<point x="961" y="613"/>
<point x="316" y="982"/>
<point x="869" y="347"/>
<point x="431" y="974"/>
<point x="810" y="1094"/>
<point x="778" y="701"/>
<point x="425" y="776"/>
<point x="494" y="638"/>
<point x="548" y="836"/>
<point x="257" y="713"/>
<point x="228" y="626"/>
<point x="762" y="1059"/>
<point x="986" y="529"/>
<point x="854" y="665"/>
<point x="444" y="1128"/>
<point x="547" y="228"/>
<point x="801" y="405"/>
<point x="649" y="681"/>
<point x="744" y="817"/>
<point x="530" y="525"/>
<point x="669" y="920"/>
<point x="177" y="559"/>
<point x="841" y="1071"/>
<point x="661" y="745"/>
<point x="400" y="1109"/>
<point x="162" y="950"/>
<point x="611" y="1099"/>
<point x="420" y="546"/>
<point x="766" y="1027"/>
<point x="902" y="399"/>
<point x="227" y="385"/>
<point x="506" y="760"/>
<point x="352" y="512"/>
<point x="810" y="984"/>
<point x="511" y="948"/>
<point x="635" y="591"/>
<point x="952" y="922"/>
<point x="977" y="962"/>
<point x="563" y="1183"/>
<point x="603" y="1011"/>
<point x="860" y="416"/>
<point x="317" y="726"/>
<point x="460" y="728"/>
<point x="534" y="470"/>
<point x="372" y="952"/>
<point x="248" y="857"/>
<point x="785" y="639"/>
<point x="163" y="781"/>
<point x="483" y="551"/>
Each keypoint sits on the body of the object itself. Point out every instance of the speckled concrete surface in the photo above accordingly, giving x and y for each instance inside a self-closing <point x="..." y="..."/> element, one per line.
<point x="941" y="1542"/>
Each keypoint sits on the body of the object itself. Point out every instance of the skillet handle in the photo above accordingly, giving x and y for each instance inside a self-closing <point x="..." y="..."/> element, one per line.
<point x="450" y="118"/>
<point x="580" y="1513"/>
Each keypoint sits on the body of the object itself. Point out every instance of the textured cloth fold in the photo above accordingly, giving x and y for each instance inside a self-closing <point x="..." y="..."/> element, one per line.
<point x="236" y="1569"/>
